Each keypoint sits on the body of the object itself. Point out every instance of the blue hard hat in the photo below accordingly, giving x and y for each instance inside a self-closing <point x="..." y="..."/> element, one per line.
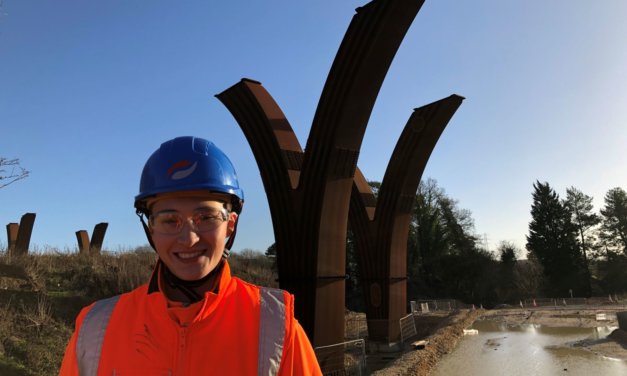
<point x="189" y="164"/>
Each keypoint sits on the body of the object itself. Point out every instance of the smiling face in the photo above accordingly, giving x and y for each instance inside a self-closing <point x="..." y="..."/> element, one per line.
<point x="191" y="254"/>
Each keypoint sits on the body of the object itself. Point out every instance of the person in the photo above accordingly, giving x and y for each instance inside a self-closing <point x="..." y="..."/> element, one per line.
<point x="192" y="317"/>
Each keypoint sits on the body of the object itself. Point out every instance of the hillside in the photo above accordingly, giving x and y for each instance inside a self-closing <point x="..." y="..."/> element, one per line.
<point x="40" y="295"/>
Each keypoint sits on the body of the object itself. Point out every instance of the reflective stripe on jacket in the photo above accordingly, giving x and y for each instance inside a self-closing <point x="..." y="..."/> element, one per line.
<point x="133" y="334"/>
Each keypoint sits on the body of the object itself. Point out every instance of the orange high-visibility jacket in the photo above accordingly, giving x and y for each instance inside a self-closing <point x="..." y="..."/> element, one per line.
<point x="242" y="330"/>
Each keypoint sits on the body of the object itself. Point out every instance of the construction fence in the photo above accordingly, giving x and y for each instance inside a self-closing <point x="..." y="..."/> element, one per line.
<point x="343" y="359"/>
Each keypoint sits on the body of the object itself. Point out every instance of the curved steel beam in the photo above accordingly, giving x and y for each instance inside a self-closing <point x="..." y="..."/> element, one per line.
<point x="279" y="158"/>
<point x="310" y="232"/>
<point x="381" y="226"/>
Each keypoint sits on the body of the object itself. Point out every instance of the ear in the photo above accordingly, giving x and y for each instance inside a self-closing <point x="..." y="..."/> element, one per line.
<point x="231" y="223"/>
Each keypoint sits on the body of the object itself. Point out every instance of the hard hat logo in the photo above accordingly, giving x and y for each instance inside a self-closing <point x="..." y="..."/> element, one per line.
<point x="185" y="172"/>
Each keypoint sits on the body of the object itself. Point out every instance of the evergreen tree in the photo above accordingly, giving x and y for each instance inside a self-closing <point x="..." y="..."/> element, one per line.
<point x="271" y="250"/>
<point x="552" y="239"/>
<point x="580" y="207"/>
<point x="614" y="221"/>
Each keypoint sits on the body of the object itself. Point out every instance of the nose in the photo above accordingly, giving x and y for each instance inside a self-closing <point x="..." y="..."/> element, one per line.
<point x="188" y="235"/>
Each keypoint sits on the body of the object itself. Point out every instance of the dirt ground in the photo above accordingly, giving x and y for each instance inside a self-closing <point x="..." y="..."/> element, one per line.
<point x="444" y="335"/>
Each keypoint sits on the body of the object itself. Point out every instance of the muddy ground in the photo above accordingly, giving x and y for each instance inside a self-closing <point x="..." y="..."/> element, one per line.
<point x="614" y="346"/>
<point x="444" y="331"/>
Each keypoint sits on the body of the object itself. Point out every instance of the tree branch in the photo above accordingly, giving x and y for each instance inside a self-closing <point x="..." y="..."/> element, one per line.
<point x="14" y="173"/>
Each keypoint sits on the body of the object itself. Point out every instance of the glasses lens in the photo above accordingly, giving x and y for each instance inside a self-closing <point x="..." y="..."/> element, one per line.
<point x="208" y="220"/>
<point x="167" y="223"/>
<point x="171" y="223"/>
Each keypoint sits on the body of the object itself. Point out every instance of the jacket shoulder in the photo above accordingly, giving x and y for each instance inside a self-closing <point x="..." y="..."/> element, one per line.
<point x="288" y="299"/>
<point x="133" y="295"/>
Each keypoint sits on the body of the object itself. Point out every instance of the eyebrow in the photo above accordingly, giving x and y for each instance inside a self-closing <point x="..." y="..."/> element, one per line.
<point x="165" y="211"/>
<point x="208" y="207"/>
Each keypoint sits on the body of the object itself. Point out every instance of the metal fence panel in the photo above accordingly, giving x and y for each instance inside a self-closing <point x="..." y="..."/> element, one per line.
<point x="343" y="359"/>
<point x="408" y="327"/>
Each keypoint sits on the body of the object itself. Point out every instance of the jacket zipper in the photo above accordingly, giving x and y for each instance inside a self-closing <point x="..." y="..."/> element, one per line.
<point x="180" y="362"/>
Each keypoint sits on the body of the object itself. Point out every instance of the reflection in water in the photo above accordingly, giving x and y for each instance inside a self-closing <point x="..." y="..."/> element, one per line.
<point x="500" y="349"/>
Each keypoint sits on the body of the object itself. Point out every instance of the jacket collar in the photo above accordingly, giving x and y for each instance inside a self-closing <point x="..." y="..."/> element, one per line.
<point x="153" y="284"/>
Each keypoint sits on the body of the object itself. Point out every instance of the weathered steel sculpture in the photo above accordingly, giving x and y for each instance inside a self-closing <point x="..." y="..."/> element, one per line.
<point x="309" y="193"/>
<point x="18" y="236"/>
<point x="95" y="245"/>
<point x="12" y="229"/>
<point x="381" y="239"/>
<point x="97" y="237"/>
<point x="380" y="225"/>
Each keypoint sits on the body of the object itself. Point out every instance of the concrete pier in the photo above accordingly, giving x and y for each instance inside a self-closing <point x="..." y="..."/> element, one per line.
<point x="622" y="320"/>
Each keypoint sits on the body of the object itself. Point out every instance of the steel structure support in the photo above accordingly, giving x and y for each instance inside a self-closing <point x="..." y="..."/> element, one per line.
<point x="24" y="233"/>
<point x="95" y="245"/>
<point x="381" y="240"/>
<point x="97" y="237"/>
<point x="12" y="229"/>
<point x="82" y="238"/>
<point x="309" y="192"/>
<point x="380" y="225"/>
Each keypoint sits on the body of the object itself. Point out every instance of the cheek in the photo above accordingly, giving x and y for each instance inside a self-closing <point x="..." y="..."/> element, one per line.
<point x="161" y="242"/>
<point x="215" y="237"/>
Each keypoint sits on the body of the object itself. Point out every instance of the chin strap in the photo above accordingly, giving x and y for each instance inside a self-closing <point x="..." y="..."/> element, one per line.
<point x="140" y="214"/>
<point x="229" y="243"/>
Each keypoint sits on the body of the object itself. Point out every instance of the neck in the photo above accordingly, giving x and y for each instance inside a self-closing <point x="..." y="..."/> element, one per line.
<point x="189" y="292"/>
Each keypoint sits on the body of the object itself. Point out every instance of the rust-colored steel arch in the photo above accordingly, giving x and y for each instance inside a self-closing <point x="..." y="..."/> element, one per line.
<point x="380" y="225"/>
<point x="310" y="209"/>
<point x="381" y="241"/>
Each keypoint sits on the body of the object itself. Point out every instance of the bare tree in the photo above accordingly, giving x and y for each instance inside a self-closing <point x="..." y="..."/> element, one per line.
<point x="528" y="277"/>
<point x="11" y="171"/>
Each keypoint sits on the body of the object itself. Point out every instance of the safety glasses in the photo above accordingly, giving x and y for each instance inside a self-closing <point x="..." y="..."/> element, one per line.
<point x="203" y="220"/>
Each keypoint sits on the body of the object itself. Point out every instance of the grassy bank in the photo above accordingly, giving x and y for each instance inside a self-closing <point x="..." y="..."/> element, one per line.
<point x="40" y="296"/>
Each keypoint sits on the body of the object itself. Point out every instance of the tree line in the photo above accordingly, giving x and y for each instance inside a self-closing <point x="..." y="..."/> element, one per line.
<point x="579" y="250"/>
<point x="570" y="250"/>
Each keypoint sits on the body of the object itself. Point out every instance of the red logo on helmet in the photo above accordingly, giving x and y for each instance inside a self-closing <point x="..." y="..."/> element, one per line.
<point x="181" y="169"/>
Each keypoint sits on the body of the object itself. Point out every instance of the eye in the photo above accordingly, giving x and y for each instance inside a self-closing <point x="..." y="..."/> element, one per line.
<point x="208" y="217"/>
<point x="168" y="220"/>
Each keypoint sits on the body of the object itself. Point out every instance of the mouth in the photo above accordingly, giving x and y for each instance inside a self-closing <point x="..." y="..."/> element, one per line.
<point x="189" y="256"/>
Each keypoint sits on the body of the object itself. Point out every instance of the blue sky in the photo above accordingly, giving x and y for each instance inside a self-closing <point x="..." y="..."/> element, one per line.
<point x="89" y="89"/>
